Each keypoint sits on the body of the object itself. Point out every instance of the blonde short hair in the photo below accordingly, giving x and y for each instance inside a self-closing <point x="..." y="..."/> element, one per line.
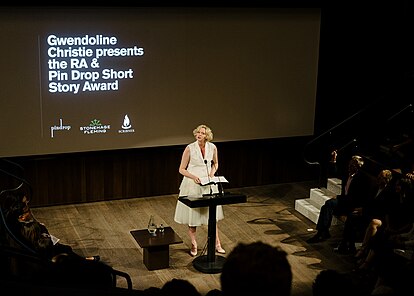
<point x="357" y="161"/>
<point x="386" y="175"/>
<point x="209" y="132"/>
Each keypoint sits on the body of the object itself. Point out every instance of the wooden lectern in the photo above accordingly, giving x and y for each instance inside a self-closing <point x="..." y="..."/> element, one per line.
<point x="211" y="263"/>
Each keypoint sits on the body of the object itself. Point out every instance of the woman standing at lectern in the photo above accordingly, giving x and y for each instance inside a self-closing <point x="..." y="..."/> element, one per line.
<point x="199" y="159"/>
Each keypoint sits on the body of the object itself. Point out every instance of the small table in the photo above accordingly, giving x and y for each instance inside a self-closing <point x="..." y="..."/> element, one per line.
<point x="156" y="247"/>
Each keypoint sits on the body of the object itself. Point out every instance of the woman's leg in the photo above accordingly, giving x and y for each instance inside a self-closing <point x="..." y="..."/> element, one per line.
<point x="192" y="233"/>
<point x="369" y="233"/>
<point x="219" y="249"/>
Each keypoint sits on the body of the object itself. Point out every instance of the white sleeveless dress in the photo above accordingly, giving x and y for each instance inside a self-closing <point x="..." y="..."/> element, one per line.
<point x="196" y="166"/>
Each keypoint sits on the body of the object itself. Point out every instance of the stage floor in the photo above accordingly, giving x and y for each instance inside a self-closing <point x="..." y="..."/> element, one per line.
<point x="269" y="215"/>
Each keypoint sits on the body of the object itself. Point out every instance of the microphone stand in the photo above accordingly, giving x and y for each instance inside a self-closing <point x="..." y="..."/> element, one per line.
<point x="208" y="176"/>
<point x="221" y="191"/>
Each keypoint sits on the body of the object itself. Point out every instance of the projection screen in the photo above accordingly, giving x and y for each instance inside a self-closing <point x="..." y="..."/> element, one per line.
<point x="87" y="79"/>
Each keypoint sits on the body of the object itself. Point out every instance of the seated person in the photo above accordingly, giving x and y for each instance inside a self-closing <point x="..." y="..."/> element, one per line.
<point x="356" y="186"/>
<point x="69" y="265"/>
<point x="35" y="234"/>
<point x="357" y="222"/>
<point x="395" y="229"/>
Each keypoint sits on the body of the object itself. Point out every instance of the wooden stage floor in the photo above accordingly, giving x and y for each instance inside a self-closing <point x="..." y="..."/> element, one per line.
<point x="269" y="215"/>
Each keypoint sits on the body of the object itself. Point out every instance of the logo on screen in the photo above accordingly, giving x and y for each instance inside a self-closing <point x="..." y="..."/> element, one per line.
<point x="95" y="127"/>
<point x="126" y="126"/>
<point x="59" y="127"/>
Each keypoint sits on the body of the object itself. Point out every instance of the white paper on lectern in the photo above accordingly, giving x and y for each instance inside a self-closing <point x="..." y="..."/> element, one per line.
<point x="213" y="180"/>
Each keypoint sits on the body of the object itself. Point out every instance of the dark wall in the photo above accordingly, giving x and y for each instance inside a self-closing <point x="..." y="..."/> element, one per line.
<point x="108" y="175"/>
<point x="366" y="55"/>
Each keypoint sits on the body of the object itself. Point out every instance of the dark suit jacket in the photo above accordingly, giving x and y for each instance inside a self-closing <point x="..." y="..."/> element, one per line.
<point x="378" y="204"/>
<point x="359" y="192"/>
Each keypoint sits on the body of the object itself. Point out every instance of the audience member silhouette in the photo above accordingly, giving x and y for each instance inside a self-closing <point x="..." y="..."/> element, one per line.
<point x="355" y="192"/>
<point x="256" y="269"/>
<point x="214" y="292"/>
<point x="331" y="282"/>
<point x="179" y="287"/>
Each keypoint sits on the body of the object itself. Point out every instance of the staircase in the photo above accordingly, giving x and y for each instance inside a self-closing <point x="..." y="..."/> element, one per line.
<point x="310" y="207"/>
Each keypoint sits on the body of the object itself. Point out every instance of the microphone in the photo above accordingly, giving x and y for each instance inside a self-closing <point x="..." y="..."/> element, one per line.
<point x="220" y="185"/>
<point x="208" y="176"/>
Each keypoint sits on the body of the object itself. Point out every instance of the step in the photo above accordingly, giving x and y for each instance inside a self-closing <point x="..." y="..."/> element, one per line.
<point x="310" y="207"/>
<point x="334" y="185"/>
<point x="307" y="209"/>
<point x="318" y="196"/>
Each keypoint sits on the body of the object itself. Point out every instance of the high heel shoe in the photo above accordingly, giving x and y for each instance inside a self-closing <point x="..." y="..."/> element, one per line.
<point x="220" y="250"/>
<point x="94" y="258"/>
<point x="193" y="250"/>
